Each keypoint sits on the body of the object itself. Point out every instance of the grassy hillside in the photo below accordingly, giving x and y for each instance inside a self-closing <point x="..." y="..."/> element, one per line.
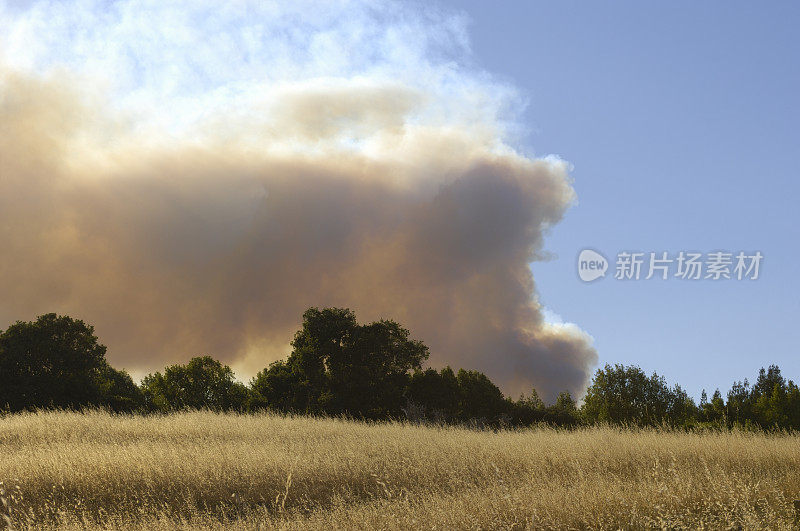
<point x="196" y="470"/>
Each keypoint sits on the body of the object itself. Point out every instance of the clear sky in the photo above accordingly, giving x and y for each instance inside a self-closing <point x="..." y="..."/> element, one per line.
<point x="680" y="119"/>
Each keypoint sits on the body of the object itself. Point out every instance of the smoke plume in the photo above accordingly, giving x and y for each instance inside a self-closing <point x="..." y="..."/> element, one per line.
<point x="190" y="178"/>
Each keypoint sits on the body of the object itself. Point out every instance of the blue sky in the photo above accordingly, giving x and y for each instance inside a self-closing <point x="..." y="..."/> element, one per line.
<point x="680" y="119"/>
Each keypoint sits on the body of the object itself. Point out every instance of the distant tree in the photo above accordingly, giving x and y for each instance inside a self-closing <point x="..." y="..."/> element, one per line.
<point x="437" y="393"/>
<point x="479" y="398"/>
<point x="324" y="335"/>
<point x="203" y="383"/>
<point x="374" y="370"/>
<point x="532" y="400"/>
<point x="739" y="408"/>
<point x="119" y="391"/>
<point x="767" y="381"/>
<point x="714" y="411"/>
<point x="277" y="387"/>
<point x="625" y="395"/>
<point x="704" y="406"/>
<point x="527" y="410"/>
<point x="340" y="367"/>
<point x="56" y="361"/>
<point x="768" y="399"/>
<point x="564" y="412"/>
<point x="772" y="402"/>
<point x="681" y="410"/>
<point x="718" y="404"/>
<point x="565" y="402"/>
<point x="617" y="395"/>
<point x="369" y="376"/>
<point x="793" y="405"/>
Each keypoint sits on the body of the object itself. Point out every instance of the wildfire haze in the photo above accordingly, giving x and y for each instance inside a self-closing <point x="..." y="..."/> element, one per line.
<point x="190" y="180"/>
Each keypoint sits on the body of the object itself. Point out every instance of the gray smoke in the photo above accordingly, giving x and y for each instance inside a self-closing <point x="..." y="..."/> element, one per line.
<point x="198" y="216"/>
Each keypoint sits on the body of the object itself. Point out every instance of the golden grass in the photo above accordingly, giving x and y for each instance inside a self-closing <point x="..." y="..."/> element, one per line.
<point x="206" y="471"/>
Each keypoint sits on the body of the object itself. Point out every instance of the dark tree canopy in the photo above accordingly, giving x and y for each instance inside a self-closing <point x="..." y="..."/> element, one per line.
<point x="203" y="383"/>
<point x="56" y="361"/>
<point x="479" y="398"/>
<point x="119" y="390"/>
<point x="340" y="367"/>
<point x="437" y="394"/>
<point x="371" y="371"/>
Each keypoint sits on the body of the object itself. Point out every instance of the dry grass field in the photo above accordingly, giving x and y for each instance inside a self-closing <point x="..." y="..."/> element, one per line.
<point x="208" y="471"/>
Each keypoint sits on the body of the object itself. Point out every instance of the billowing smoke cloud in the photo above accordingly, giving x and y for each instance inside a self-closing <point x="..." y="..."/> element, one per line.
<point x="190" y="179"/>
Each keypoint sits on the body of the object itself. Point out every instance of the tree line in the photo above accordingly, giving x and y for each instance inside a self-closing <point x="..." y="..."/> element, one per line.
<point x="368" y="371"/>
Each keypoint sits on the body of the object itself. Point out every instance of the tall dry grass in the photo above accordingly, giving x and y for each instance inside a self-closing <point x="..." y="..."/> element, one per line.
<point x="204" y="470"/>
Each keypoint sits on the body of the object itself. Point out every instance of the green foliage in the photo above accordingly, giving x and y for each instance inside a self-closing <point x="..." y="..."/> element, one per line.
<point x="479" y="398"/>
<point x="772" y="400"/>
<point x="119" y="391"/>
<point x="57" y="362"/>
<point x="528" y="410"/>
<point x="625" y="395"/>
<point x="340" y="367"/>
<point x="276" y="387"/>
<point x="471" y="397"/>
<point x="437" y="393"/>
<point x="372" y="371"/>
<point x="203" y="383"/>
